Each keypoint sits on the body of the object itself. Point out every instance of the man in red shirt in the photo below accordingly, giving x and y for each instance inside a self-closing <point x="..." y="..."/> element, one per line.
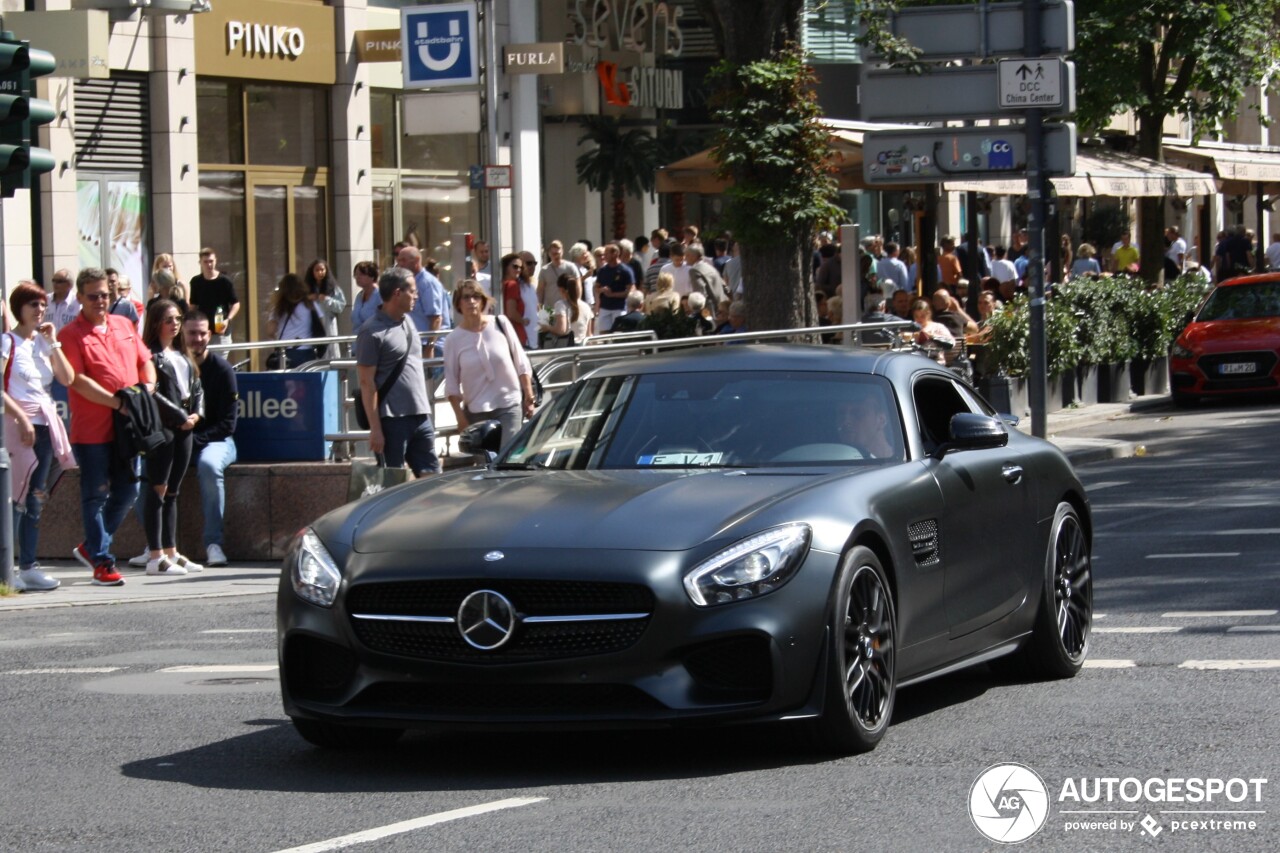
<point x="107" y="354"/>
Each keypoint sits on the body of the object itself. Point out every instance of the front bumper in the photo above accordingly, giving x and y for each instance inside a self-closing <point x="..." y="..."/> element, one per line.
<point x="753" y="659"/>
<point x="1227" y="373"/>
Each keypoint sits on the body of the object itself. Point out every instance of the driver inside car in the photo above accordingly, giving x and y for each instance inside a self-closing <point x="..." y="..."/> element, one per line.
<point x="861" y="422"/>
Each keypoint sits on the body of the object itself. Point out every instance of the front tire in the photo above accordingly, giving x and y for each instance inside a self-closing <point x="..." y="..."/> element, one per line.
<point x="1060" y="641"/>
<point x="861" y="671"/>
<point x="337" y="736"/>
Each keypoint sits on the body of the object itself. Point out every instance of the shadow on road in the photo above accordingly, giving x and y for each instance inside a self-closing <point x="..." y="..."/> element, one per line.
<point x="270" y="756"/>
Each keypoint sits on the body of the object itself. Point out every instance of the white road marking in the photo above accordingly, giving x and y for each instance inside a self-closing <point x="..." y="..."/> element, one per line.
<point x="1213" y="614"/>
<point x="1104" y="663"/>
<point x="1155" y="629"/>
<point x="1107" y="485"/>
<point x="1247" y="531"/>
<point x="244" y="667"/>
<point x="239" y="631"/>
<point x="1229" y="664"/>
<point x="410" y="825"/>
<point x="1193" y="555"/>
<point x="69" y="670"/>
<point x="1253" y="629"/>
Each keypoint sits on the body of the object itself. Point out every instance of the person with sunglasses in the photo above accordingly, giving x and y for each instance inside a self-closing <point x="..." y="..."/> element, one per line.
<point x="107" y="354"/>
<point x="30" y="358"/>
<point x="513" y="306"/>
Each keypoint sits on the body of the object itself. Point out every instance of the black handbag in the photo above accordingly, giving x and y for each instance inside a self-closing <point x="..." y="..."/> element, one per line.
<point x="362" y="417"/>
<point x="533" y="374"/>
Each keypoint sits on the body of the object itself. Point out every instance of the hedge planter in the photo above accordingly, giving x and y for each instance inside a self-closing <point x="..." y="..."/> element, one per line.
<point x="1113" y="383"/>
<point x="1005" y="394"/>
<point x="1062" y="391"/>
<point x="1149" y="376"/>
<point x="1087" y="384"/>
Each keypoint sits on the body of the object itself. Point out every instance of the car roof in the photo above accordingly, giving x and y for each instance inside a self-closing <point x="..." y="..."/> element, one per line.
<point x="801" y="357"/>
<point x="1258" y="278"/>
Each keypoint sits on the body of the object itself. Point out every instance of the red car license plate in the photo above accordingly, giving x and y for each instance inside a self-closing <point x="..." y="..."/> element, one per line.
<point x="1239" y="367"/>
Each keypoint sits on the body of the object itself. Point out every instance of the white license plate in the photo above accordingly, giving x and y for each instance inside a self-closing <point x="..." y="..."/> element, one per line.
<point x="1239" y="367"/>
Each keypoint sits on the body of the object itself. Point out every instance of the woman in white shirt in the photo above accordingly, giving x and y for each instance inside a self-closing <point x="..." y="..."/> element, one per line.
<point x="487" y="376"/>
<point x="571" y="313"/>
<point x="931" y="331"/>
<point x="30" y="358"/>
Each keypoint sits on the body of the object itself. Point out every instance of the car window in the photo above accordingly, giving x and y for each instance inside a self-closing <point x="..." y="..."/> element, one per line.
<point x="724" y="419"/>
<point x="1242" y="301"/>
<point x="937" y="401"/>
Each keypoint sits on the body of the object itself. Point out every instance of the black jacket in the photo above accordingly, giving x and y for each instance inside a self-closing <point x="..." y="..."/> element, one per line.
<point x="174" y="408"/>
<point x="218" y="380"/>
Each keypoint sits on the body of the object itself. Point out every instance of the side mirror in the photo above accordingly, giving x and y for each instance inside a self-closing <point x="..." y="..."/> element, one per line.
<point x="973" y="432"/>
<point x="481" y="437"/>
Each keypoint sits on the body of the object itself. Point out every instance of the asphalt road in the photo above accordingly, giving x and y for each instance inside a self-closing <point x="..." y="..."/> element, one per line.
<point x="157" y="726"/>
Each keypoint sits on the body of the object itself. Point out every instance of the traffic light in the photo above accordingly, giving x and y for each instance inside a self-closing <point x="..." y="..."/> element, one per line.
<point x="21" y="113"/>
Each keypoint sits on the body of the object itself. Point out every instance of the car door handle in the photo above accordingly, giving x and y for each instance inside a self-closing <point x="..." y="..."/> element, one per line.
<point x="1012" y="473"/>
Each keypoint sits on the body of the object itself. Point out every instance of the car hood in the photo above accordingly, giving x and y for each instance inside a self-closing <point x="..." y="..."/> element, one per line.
<point x="1213" y="336"/>
<point x="633" y="510"/>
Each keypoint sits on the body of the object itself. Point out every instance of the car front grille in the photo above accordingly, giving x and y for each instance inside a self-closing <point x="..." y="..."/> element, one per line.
<point x="1259" y="378"/>
<point x="516" y="701"/>
<point x="415" y="619"/>
<point x="739" y="667"/>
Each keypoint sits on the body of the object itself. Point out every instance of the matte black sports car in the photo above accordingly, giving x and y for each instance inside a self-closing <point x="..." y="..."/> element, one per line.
<point x="741" y="533"/>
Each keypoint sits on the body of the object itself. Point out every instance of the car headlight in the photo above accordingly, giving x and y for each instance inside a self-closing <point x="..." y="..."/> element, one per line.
<point x="315" y="574"/>
<point x="751" y="568"/>
<point x="1179" y="351"/>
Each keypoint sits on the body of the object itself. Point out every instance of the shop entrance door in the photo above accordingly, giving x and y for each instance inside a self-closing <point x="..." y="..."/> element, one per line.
<point x="288" y="229"/>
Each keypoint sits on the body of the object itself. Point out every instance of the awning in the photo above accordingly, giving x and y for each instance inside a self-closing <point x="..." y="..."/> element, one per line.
<point x="1240" y="168"/>
<point x="696" y="173"/>
<point x="1102" y="172"/>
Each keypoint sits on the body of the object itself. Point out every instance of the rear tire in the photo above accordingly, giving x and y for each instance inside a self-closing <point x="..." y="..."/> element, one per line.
<point x="861" y="669"/>
<point x="337" y="736"/>
<point x="1059" y="642"/>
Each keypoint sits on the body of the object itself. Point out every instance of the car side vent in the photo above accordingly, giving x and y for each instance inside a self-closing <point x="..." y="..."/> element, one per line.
<point x="924" y="542"/>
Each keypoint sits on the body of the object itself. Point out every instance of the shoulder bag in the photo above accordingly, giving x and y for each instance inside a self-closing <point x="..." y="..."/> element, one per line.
<point x="362" y="417"/>
<point x="515" y="363"/>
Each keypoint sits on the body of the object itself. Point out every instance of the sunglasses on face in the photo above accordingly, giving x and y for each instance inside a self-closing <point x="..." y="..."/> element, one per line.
<point x="97" y="297"/>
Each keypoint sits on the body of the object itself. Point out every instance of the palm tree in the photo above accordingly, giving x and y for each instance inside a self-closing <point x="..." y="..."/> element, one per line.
<point x="622" y="162"/>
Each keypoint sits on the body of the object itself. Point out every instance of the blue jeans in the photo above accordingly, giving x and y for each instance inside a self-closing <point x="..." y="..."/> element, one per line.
<point x="410" y="438"/>
<point x="211" y="463"/>
<point x="108" y="489"/>
<point x="26" y="516"/>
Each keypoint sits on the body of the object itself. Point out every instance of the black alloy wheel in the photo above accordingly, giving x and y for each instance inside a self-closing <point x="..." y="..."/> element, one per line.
<point x="1060" y="642"/>
<point x="862" y="658"/>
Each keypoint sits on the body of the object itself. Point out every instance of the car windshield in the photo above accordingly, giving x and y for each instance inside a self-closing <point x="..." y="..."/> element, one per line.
<point x="1243" y="301"/>
<point x="720" y="420"/>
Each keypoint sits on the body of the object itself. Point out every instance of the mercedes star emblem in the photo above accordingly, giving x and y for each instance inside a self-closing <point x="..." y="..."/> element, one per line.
<point x="486" y="619"/>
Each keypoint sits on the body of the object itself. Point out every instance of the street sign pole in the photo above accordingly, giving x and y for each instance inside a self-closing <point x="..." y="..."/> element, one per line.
<point x="491" y="146"/>
<point x="1037" y="186"/>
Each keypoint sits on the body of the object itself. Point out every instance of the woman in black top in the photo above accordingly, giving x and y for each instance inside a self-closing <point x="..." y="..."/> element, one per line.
<point x="181" y="403"/>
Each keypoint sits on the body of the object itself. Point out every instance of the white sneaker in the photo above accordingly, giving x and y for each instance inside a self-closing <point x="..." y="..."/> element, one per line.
<point x="34" y="580"/>
<point x="18" y="585"/>
<point x="213" y="556"/>
<point x="187" y="563"/>
<point x="140" y="561"/>
<point x="164" y="566"/>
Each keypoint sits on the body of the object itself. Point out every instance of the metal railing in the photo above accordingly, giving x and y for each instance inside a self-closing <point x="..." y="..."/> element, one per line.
<point x="556" y="368"/>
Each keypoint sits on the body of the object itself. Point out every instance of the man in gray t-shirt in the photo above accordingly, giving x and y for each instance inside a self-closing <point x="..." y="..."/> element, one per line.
<point x="549" y="277"/>
<point x="400" y="426"/>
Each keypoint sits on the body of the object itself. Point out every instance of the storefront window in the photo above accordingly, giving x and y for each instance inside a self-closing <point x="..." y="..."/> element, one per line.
<point x="223" y="225"/>
<point x="382" y="117"/>
<point x="219" y="105"/>
<point x="287" y="126"/>
<point x="113" y="216"/>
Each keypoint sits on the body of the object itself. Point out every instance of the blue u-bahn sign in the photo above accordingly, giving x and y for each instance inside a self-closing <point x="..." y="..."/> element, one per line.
<point x="440" y="46"/>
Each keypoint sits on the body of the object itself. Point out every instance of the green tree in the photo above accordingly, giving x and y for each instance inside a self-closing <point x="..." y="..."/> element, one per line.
<point x="622" y="162"/>
<point x="1163" y="58"/>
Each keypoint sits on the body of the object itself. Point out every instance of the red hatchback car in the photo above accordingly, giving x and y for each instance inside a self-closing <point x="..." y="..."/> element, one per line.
<point x="1232" y="345"/>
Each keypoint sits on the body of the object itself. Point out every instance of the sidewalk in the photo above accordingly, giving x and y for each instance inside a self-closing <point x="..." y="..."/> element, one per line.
<point x="262" y="578"/>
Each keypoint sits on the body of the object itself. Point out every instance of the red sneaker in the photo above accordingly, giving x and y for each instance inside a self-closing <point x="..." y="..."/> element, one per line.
<point x="105" y="574"/>
<point x="82" y="554"/>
